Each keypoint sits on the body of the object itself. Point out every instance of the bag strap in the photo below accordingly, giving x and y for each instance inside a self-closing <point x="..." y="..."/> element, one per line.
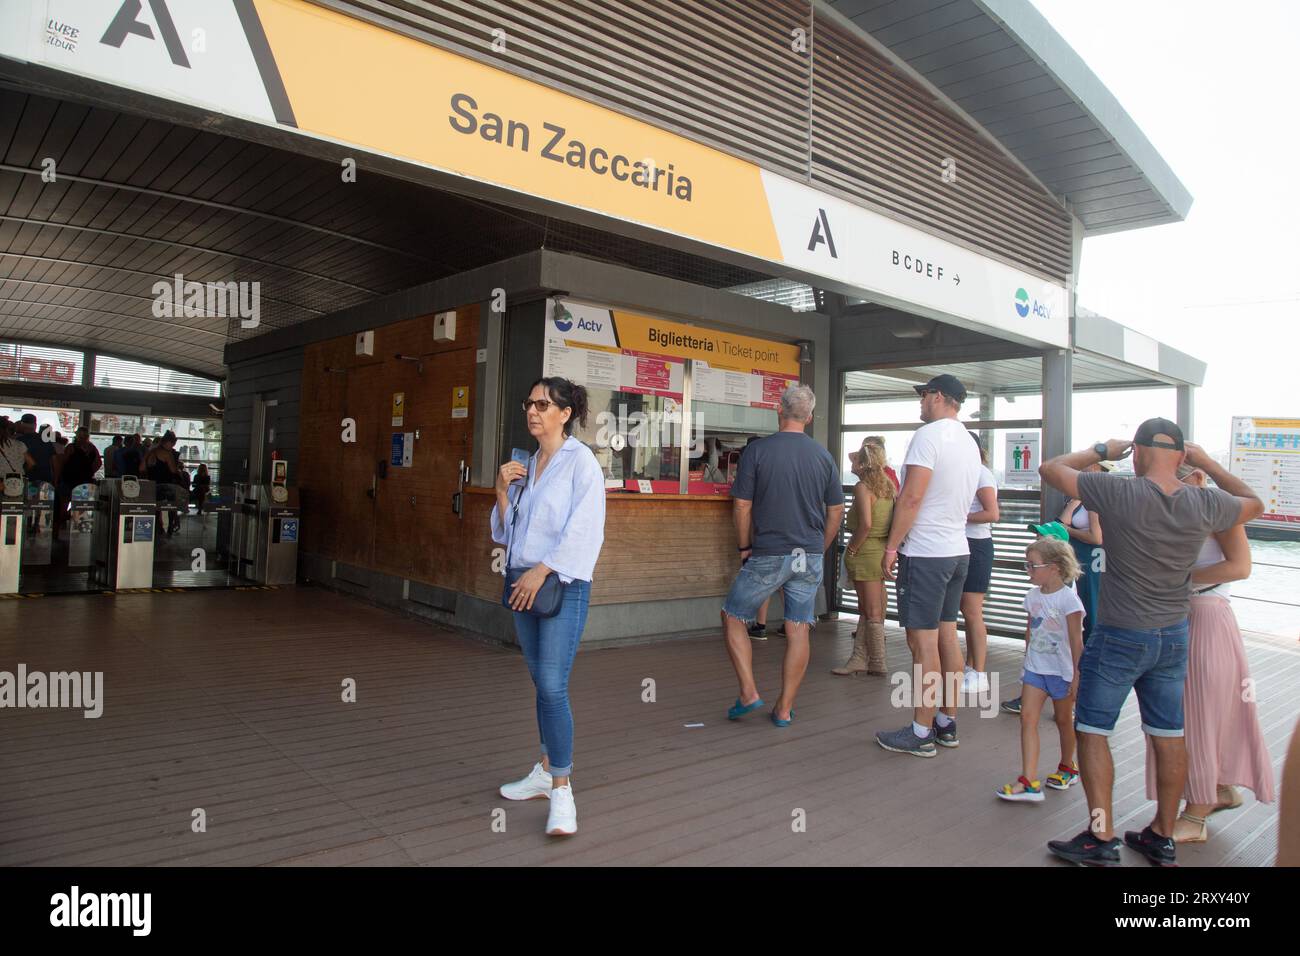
<point x="514" y="518"/>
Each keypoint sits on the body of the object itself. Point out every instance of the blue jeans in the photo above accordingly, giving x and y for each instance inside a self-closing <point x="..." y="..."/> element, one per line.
<point x="549" y="645"/>
<point x="1116" y="660"/>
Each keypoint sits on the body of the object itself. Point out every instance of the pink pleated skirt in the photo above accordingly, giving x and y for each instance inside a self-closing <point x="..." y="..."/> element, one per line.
<point x="1225" y="744"/>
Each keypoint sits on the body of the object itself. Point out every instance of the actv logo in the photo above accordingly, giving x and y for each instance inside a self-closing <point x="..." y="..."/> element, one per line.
<point x="1023" y="306"/>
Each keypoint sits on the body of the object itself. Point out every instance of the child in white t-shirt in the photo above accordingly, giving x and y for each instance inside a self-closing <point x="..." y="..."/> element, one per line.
<point x="1054" y="642"/>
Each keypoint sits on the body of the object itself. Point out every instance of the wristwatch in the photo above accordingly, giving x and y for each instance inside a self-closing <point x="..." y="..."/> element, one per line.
<point x="746" y="548"/>
<point x="1100" y="449"/>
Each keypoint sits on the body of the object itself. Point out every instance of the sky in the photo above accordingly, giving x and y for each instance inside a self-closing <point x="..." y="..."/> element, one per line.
<point x="1213" y="87"/>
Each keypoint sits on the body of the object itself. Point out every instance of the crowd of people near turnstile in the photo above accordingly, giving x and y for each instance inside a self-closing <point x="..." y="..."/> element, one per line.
<point x="45" y="455"/>
<point x="1141" y="606"/>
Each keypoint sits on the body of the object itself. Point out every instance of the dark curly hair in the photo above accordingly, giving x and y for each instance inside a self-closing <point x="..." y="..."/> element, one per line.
<point x="566" y="394"/>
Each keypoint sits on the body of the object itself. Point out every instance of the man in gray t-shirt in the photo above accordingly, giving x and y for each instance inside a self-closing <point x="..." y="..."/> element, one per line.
<point x="788" y="504"/>
<point x="1155" y="526"/>
<point x="1152" y="540"/>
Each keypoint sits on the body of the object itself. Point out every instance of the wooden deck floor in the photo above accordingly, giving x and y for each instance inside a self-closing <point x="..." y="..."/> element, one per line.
<point x="230" y="701"/>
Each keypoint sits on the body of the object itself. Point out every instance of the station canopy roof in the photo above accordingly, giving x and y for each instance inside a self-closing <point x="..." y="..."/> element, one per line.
<point x="1107" y="357"/>
<point x="1001" y="62"/>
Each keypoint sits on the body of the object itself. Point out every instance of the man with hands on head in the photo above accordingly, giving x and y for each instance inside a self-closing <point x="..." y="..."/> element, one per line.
<point x="1155" y="526"/>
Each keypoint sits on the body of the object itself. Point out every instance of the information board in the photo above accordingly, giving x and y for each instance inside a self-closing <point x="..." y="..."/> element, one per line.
<point x="1266" y="455"/>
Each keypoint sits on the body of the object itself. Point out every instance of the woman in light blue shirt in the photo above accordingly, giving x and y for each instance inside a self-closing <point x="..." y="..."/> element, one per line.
<point x="551" y="517"/>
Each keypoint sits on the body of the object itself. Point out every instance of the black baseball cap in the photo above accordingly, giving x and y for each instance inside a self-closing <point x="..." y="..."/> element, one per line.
<point x="1149" y="429"/>
<point x="28" y="419"/>
<point x="948" y="385"/>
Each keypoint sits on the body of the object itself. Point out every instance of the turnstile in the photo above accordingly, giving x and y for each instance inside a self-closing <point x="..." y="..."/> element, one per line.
<point x="12" y="527"/>
<point x="38" y="538"/>
<point x="123" y="538"/>
<point x="265" y="536"/>
<point x="81" y="525"/>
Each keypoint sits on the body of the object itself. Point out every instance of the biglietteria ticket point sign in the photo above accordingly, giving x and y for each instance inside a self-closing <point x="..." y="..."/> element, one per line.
<point x="294" y="65"/>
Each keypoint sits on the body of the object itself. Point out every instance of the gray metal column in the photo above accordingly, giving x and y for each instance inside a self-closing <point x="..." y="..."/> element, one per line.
<point x="1058" y="387"/>
<point x="1186" y="418"/>
<point x="487" y="382"/>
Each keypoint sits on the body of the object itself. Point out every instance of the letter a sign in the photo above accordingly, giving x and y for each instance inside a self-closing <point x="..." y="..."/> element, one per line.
<point x="128" y="22"/>
<point x="822" y="233"/>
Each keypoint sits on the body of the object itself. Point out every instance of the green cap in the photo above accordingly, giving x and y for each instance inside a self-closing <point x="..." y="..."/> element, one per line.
<point x="1050" y="529"/>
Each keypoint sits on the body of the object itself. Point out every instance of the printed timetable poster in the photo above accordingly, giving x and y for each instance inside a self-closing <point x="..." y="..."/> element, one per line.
<point x="599" y="347"/>
<point x="1266" y="455"/>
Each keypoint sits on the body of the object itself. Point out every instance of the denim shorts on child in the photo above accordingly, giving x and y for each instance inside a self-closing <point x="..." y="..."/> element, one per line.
<point x="1116" y="660"/>
<point x="797" y="576"/>
<point x="1053" y="685"/>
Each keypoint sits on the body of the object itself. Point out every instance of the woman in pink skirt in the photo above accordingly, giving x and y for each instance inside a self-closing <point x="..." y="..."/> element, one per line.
<point x="1225" y="745"/>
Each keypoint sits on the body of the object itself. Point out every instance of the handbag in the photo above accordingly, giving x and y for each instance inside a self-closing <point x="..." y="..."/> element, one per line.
<point x="549" y="597"/>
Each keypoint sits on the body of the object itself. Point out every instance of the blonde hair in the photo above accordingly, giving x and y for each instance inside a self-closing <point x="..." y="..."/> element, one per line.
<point x="1056" y="552"/>
<point x="872" y="455"/>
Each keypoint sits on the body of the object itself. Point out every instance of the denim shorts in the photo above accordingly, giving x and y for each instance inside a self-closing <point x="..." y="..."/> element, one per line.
<point x="797" y="576"/>
<point x="1116" y="660"/>
<point x="929" y="590"/>
<point x="979" y="573"/>
<point x="1053" y="685"/>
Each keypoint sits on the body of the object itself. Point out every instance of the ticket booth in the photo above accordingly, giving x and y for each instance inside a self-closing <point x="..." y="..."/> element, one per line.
<point x="125" y="528"/>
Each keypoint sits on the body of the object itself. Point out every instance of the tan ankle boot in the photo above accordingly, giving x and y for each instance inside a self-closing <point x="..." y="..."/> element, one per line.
<point x="875" y="647"/>
<point x="857" y="662"/>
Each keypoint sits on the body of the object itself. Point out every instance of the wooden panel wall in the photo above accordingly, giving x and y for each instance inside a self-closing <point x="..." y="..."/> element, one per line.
<point x="656" y="549"/>
<point x="407" y="527"/>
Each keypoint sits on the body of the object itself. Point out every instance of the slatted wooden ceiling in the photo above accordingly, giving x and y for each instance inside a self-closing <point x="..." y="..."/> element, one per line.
<point x="136" y="201"/>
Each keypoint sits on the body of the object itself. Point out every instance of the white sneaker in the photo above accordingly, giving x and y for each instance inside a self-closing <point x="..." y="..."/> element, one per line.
<point x="534" y="786"/>
<point x="969" y="681"/>
<point x="983" y="687"/>
<point x="563" y="818"/>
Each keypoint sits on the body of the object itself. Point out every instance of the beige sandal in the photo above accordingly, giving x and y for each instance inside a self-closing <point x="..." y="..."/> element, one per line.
<point x="1232" y="804"/>
<point x="1196" y="831"/>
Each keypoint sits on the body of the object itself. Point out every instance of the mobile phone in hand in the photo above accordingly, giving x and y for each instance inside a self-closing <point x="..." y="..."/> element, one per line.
<point x="521" y="456"/>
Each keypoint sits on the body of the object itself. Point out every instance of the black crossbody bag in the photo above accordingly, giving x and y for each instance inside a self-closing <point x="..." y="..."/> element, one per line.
<point x="550" y="596"/>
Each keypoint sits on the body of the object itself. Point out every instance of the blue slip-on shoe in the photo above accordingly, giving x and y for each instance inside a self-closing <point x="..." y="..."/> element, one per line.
<point x="905" y="741"/>
<point x="738" y="710"/>
<point x="783" y="723"/>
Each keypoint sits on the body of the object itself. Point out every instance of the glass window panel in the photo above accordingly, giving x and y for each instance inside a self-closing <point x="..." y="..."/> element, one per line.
<point x="36" y="363"/>
<point x="634" y="436"/>
<point x="120" y="373"/>
<point x="720" y="433"/>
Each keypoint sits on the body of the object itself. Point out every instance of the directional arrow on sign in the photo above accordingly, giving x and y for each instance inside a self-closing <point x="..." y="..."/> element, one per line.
<point x="957" y="279"/>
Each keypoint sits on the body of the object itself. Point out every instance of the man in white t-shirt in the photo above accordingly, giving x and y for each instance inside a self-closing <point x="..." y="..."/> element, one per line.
<point x="927" y="545"/>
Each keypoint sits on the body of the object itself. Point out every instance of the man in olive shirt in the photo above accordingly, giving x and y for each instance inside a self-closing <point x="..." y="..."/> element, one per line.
<point x="1155" y="526"/>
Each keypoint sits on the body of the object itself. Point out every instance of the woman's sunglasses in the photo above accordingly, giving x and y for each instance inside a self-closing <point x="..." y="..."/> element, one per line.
<point x="541" y="403"/>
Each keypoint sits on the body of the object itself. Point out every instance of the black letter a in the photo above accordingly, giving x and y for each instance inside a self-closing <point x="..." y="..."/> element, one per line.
<point x="822" y="233"/>
<point x="126" y="23"/>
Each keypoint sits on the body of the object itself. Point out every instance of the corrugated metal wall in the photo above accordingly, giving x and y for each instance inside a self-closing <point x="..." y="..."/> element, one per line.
<point x="726" y="73"/>
<point x="277" y="376"/>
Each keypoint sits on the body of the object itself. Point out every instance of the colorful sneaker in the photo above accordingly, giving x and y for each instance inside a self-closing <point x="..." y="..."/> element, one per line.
<point x="1032" y="792"/>
<point x="1010" y="707"/>
<point x="1158" y="850"/>
<point x="946" y="736"/>
<point x="1087" y="850"/>
<point x="1064" y="778"/>
<point x="905" y="741"/>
